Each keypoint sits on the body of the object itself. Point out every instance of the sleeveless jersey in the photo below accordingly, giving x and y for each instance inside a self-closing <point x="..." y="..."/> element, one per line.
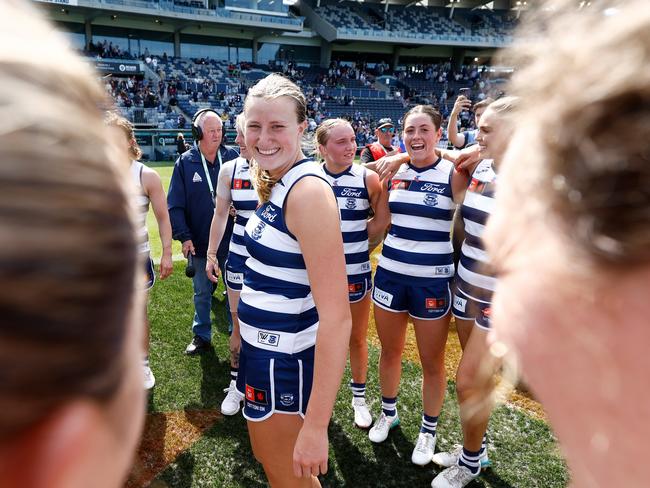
<point x="354" y="204"/>
<point x="244" y="199"/>
<point x="418" y="247"/>
<point x="277" y="314"/>
<point x="473" y="277"/>
<point x="141" y="202"/>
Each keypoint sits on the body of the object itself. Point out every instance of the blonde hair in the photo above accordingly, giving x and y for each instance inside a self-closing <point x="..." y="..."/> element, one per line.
<point x="504" y="107"/>
<point x="585" y="118"/>
<point x="322" y="134"/>
<point x="240" y="123"/>
<point x="270" y="88"/>
<point x="68" y="248"/>
<point x="115" y="120"/>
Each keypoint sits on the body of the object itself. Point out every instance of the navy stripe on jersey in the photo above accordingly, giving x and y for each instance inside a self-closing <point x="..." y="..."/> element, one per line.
<point x="418" y="234"/>
<point x="412" y="258"/>
<point x="418" y="245"/>
<point x="418" y="210"/>
<point x="273" y="286"/>
<point x="279" y="321"/>
<point x="269" y="256"/>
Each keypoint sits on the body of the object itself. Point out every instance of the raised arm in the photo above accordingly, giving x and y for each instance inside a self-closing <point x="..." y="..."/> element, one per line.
<point x="153" y="188"/>
<point x="219" y="220"/>
<point x="322" y="248"/>
<point x="458" y="140"/>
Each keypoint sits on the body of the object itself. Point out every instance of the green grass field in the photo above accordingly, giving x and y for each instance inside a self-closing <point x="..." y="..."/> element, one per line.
<point x="522" y="448"/>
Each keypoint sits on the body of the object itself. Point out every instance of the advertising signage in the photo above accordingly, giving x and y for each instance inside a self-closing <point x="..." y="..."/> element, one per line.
<point x="118" y="68"/>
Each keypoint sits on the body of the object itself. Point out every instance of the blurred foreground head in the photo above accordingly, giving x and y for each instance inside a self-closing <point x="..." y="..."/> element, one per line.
<point x="71" y="403"/>
<point x="571" y="232"/>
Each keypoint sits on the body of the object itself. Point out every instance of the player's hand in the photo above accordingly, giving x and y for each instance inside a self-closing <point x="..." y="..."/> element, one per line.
<point x="462" y="103"/>
<point x="212" y="269"/>
<point x="467" y="158"/>
<point x="387" y="166"/>
<point x="310" y="452"/>
<point x="188" y="247"/>
<point x="166" y="265"/>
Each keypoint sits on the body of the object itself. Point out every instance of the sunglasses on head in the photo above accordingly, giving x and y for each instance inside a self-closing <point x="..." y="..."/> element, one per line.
<point x="387" y="129"/>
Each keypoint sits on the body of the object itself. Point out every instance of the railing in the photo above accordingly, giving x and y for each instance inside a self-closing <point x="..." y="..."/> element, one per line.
<point x="221" y="13"/>
<point x="480" y="40"/>
<point x="355" y="92"/>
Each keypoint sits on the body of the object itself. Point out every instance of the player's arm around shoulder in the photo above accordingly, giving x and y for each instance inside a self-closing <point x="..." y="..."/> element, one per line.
<point x="312" y="215"/>
<point x="152" y="186"/>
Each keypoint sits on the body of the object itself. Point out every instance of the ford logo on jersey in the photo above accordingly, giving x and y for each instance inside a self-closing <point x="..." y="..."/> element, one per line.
<point x="431" y="200"/>
<point x="432" y="187"/>
<point x="257" y="231"/>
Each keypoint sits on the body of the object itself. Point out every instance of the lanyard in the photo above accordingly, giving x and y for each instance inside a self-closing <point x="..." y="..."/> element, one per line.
<point x="207" y="175"/>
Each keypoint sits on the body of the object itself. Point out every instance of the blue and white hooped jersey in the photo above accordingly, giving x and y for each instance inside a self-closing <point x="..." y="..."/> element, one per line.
<point x="418" y="246"/>
<point x="354" y="204"/>
<point x="473" y="278"/>
<point x="244" y="199"/>
<point x="277" y="314"/>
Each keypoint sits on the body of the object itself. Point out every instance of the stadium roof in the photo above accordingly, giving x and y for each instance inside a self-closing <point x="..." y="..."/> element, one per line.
<point x="466" y="4"/>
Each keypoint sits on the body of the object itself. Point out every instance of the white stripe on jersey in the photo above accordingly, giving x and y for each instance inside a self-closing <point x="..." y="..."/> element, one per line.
<point x="474" y="253"/>
<point x="478" y="201"/>
<point x="238" y="249"/>
<point x="473" y="228"/>
<point x="285" y="274"/>
<point x="287" y="342"/>
<point x="417" y="270"/>
<point x="273" y="238"/>
<point x="275" y="303"/>
<point x="421" y="223"/>
<point x="417" y="198"/>
<point x="418" y="247"/>
<point x="476" y="279"/>
<point x="355" y="247"/>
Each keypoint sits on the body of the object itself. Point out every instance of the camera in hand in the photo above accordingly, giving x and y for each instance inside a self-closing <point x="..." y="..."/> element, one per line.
<point x="189" y="269"/>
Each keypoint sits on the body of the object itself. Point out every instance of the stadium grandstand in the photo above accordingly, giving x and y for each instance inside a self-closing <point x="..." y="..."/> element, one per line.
<point x="162" y="60"/>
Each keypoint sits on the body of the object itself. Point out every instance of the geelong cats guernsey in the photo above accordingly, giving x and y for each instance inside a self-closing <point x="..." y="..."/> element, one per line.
<point x="277" y="314"/>
<point x="244" y="199"/>
<point x="418" y="247"/>
<point x="354" y="204"/>
<point x="473" y="278"/>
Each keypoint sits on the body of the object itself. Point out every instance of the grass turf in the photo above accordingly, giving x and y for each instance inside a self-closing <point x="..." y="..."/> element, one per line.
<point x="522" y="447"/>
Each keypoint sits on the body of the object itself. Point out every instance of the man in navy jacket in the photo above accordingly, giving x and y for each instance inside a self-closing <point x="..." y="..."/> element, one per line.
<point x="191" y="205"/>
